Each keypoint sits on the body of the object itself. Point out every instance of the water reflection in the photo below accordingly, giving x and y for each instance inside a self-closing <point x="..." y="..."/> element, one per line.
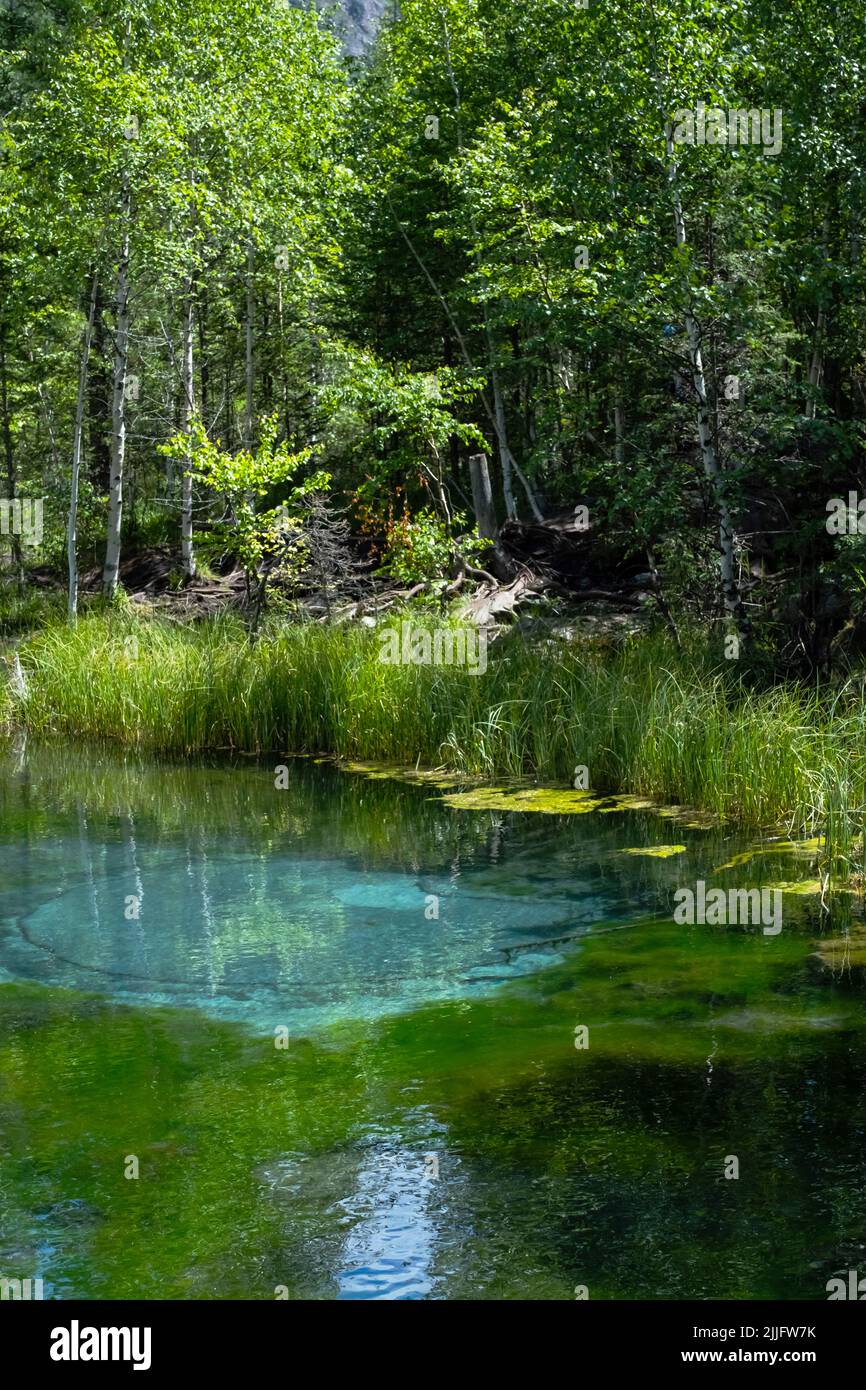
<point x="286" y="907"/>
<point x="413" y="1035"/>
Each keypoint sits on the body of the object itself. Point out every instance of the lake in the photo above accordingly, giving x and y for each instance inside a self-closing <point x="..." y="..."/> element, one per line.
<point x="358" y="1037"/>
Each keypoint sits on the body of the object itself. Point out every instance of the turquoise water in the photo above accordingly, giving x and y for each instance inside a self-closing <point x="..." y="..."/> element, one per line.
<point x="335" y="1026"/>
<point x="274" y="919"/>
<point x="284" y="934"/>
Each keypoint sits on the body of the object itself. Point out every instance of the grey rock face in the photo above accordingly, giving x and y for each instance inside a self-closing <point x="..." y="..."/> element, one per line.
<point x="358" y="22"/>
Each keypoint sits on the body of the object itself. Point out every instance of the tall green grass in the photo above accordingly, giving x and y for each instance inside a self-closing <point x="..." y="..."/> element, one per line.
<point x="21" y="612"/>
<point x="642" y="717"/>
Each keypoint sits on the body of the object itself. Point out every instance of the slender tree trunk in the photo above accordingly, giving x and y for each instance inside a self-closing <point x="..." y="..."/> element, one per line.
<point x="250" y="343"/>
<point x="731" y="595"/>
<point x="816" y="365"/>
<point x="118" y="401"/>
<point x="48" y="480"/>
<point x="619" y="430"/>
<point x="77" y="436"/>
<point x="482" y="497"/>
<point x="98" y="395"/>
<point x="172" y="402"/>
<point x="284" y="380"/>
<point x="507" y="461"/>
<point x="266" y="381"/>
<point x="658" y="594"/>
<point x="9" y="457"/>
<point x="203" y="367"/>
<point x="439" y="480"/>
<point x="186" y="413"/>
<point x="489" y="409"/>
<point x="505" y="455"/>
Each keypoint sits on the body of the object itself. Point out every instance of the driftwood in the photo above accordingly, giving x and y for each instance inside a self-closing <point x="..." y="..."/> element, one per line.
<point x="492" y="601"/>
<point x="496" y="600"/>
<point x="563" y="555"/>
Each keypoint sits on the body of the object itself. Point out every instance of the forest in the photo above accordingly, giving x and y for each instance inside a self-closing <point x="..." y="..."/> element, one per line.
<point x="498" y="235"/>
<point x="542" y="311"/>
<point x="455" y="425"/>
<point x="492" y="236"/>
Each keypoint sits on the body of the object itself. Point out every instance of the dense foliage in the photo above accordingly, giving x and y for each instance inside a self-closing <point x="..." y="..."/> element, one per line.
<point x="492" y="234"/>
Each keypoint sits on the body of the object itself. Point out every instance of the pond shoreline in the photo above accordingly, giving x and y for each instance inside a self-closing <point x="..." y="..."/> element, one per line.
<point x="641" y="718"/>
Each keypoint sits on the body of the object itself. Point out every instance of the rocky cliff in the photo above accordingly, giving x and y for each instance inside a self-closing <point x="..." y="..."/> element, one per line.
<point x="358" y="21"/>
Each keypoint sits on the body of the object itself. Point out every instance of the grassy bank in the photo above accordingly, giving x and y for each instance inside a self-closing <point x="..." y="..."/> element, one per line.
<point x="642" y="718"/>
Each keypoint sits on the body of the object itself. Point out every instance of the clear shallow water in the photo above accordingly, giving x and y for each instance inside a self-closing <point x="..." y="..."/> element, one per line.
<point x="280" y="936"/>
<point x="430" y="1130"/>
<point x="284" y="919"/>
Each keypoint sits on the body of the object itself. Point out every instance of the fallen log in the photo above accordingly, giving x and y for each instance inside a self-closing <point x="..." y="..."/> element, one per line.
<point x="492" y="601"/>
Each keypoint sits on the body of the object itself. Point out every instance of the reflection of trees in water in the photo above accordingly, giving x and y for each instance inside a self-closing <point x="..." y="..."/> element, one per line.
<point x="384" y="824"/>
<point x="371" y="826"/>
<point x="613" y="1175"/>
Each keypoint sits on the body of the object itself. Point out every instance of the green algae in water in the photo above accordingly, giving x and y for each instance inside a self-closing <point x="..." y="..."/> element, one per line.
<point x="562" y="801"/>
<point x="655" y="851"/>
<point x="550" y="801"/>
<point x="305" y="1166"/>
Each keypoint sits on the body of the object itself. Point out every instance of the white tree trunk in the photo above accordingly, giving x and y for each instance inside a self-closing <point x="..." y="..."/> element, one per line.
<point x="250" y="344"/>
<point x="731" y="595"/>
<point x="187" y="406"/>
<point x="118" y="401"/>
<point x="816" y="366"/>
<point x="502" y="441"/>
<point x="77" y="435"/>
<point x="507" y="461"/>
